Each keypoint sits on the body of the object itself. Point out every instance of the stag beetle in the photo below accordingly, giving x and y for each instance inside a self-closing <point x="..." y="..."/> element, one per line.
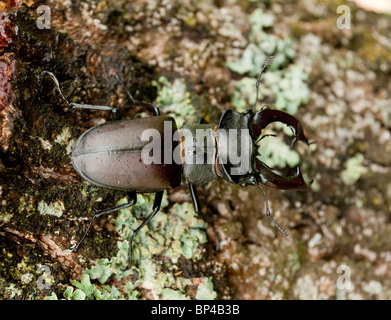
<point x="116" y="155"/>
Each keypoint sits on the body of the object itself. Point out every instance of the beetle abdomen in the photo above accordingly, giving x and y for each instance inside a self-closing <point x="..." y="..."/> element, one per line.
<point x="110" y="156"/>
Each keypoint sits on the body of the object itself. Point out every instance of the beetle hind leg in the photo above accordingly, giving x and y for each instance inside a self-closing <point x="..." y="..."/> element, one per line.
<point x="155" y="210"/>
<point x="132" y="198"/>
<point x="155" y="110"/>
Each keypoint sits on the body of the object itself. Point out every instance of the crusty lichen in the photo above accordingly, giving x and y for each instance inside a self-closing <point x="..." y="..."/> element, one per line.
<point x="283" y="81"/>
<point x="157" y="249"/>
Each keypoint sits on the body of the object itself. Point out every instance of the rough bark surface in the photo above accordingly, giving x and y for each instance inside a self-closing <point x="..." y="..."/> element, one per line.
<point x="341" y="227"/>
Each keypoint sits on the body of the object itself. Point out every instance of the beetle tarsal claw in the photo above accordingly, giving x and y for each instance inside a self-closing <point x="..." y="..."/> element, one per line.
<point x="73" y="247"/>
<point x="51" y="75"/>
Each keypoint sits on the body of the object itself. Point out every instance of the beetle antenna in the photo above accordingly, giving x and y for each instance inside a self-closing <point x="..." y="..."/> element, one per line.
<point x="269" y="61"/>
<point x="268" y="212"/>
<point x="58" y="87"/>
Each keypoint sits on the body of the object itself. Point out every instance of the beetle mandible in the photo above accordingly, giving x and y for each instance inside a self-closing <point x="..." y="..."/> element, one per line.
<point x="112" y="155"/>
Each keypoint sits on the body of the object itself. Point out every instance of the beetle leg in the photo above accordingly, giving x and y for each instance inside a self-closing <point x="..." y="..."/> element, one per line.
<point x="198" y="210"/>
<point x="115" y="111"/>
<point x="268" y="177"/>
<point x="266" y="116"/>
<point x="132" y="198"/>
<point x="194" y="197"/>
<point x="268" y="214"/>
<point x="155" y="210"/>
<point x="51" y="75"/>
<point x="155" y="110"/>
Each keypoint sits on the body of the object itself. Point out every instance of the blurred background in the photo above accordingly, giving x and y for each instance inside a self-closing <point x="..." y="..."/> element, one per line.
<point x="332" y="71"/>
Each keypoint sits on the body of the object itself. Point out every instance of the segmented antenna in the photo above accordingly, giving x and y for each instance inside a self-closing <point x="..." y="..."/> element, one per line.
<point x="268" y="212"/>
<point x="269" y="61"/>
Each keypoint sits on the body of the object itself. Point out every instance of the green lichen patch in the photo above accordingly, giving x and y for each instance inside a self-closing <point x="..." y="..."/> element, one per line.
<point x="65" y="138"/>
<point x="283" y="81"/>
<point x="261" y="46"/>
<point x="157" y="249"/>
<point x="275" y="153"/>
<point x="205" y="290"/>
<point x="354" y="169"/>
<point x="289" y="87"/>
<point x="174" y="99"/>
<point x="54" y="209"/>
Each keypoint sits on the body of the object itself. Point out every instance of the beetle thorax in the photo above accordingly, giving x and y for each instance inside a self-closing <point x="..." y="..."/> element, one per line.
<point x="199" y="152"/>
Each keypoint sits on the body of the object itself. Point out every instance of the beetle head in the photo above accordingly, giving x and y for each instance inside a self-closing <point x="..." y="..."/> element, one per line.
<point x="254" y="123"/>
